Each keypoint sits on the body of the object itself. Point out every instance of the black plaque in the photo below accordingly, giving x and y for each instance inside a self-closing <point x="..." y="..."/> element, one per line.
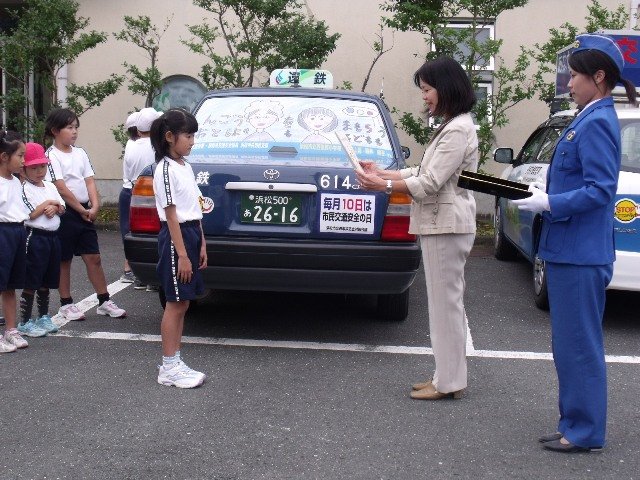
<point x="493" y="185"/>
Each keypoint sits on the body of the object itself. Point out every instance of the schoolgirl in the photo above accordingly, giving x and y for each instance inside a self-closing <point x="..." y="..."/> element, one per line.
<point x="72" y="174"/>
<point x="181" y="246"/>
<point x="45" y="206"/>
<point x="12" y="236"/>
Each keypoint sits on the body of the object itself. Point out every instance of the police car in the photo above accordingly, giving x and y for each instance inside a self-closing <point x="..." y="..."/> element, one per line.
<point x="282" y="208"/>
<point x="516" y="231"/>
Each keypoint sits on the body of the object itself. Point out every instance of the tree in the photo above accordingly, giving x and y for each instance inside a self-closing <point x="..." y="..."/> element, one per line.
<point x="598" y="18"/>
<point x="431" y="18"/>
<point x="379" y="49"/>
<point x="512" y="84"/>
<point x="147" y="81"/>
<point x="47" y="36"/>
<point x="143" y="34"/>
<point x="259" y="36"/>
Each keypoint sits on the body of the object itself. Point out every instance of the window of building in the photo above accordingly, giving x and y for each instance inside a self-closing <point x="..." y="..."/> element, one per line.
<point x="483" y="33"/>
<point x="179" y="91"/>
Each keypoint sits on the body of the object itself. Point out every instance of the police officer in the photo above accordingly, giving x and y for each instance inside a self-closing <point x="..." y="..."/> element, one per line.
<point x="576" y="241"/>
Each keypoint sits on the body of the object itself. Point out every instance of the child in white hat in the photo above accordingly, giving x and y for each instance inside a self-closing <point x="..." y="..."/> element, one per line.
<point x="138" y="155"/>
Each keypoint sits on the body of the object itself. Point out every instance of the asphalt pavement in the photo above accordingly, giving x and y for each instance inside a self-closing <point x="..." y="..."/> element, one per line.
<point x="306" y="386"/>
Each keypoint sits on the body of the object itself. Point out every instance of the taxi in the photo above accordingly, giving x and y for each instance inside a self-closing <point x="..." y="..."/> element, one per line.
<point x="516" y="232"/>
<point x="282" y="209"/>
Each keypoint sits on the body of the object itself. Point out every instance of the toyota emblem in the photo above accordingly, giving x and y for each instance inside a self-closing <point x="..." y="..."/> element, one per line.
<point x="271" y="174"/>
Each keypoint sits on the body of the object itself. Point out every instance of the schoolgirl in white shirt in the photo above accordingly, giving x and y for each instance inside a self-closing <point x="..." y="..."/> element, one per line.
<point x="12" y="236"/>
<point x="71" y="172"/>
<point x="181" y="245"/>
<point x="45" y="206"/>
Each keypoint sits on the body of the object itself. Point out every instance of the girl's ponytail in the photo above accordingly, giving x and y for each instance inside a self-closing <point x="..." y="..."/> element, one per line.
<point x="630" y="89"/>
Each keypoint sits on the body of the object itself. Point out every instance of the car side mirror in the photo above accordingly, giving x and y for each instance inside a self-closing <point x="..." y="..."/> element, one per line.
<point x="503" y="155"/>
<point x="406" y="152"/>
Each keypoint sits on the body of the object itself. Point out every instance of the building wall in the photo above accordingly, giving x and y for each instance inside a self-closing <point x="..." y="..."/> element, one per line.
<point x="356" y="20"/>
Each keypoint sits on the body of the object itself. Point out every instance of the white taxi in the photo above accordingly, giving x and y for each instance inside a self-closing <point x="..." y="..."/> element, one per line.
<point x="516" y="232"/>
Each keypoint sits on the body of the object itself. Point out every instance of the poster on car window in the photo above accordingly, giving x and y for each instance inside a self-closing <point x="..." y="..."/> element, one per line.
<point x="289" y="130"/>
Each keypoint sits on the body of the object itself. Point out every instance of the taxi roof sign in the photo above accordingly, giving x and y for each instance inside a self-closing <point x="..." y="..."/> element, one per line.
<point x="629" y="43"/>
<point x="293" y="77"/>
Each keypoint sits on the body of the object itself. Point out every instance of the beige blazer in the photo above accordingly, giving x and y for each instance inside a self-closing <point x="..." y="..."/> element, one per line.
<point x="439" y="205"/>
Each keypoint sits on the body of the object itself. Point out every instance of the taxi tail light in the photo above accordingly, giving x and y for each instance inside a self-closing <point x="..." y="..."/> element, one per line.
<point x="143" y="216"/>
<point x="396" y="222"/>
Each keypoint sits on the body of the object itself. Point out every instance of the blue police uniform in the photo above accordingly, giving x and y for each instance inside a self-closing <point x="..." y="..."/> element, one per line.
<point x="577" y="245"/>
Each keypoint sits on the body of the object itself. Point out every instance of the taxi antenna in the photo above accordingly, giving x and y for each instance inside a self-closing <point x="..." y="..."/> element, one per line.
<point x="382" y="89"/>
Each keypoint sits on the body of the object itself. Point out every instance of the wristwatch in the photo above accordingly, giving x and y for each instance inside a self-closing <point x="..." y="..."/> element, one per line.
<point x="389" y="189"/>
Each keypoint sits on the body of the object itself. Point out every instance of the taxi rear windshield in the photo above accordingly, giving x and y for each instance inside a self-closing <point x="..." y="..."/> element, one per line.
<point x="289" y="130"/>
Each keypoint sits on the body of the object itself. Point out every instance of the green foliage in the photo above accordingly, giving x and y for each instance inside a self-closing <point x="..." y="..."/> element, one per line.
<point x="512" y="84"/>
<point x="598" y="18"/>
<point x="430" y="18"/>
<point x="143" y="34"/>
<point x="260" y="36"/>
<point x="141" y="81"/>
<point x="121" y="136"/>
<point x="47" y="36"/>
<point x="85" y="97"/>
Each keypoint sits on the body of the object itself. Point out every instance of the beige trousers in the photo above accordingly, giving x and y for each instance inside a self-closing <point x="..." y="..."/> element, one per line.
<point x="444" y="257"/>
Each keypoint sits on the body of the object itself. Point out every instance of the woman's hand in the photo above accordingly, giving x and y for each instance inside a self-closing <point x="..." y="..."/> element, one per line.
<point x="371" y="181"/>
<point x="185" y="269"/>
<point x="369" y="167"/>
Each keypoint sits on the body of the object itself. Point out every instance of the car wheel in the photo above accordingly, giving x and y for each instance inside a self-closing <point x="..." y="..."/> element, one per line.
<point x="394" y="307"/>
<point x="540" y="293"/>
<point x="502" y="249"/>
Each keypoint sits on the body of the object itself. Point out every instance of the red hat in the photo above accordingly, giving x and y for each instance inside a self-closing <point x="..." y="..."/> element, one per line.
<point x="34" y="155"/>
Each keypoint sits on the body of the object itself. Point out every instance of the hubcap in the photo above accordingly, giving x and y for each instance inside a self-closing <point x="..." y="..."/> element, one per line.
<point x="538" y="274"/>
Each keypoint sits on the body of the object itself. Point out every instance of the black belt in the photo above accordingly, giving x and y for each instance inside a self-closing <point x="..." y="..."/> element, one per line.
<point x="11" y="224"/>
<point x="42" y="232"/>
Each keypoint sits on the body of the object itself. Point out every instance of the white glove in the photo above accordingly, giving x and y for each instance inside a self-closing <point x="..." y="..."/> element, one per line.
<point x="537" y="202"/>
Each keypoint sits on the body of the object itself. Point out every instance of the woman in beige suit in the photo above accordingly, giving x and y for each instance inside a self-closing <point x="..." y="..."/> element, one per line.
<point x="442" y="215"/>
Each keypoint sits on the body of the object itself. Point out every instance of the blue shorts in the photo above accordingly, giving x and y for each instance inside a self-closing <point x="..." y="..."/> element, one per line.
<point x="13" y="256"/>
<point x="124" y="204"/>
<point x="43" y="259"/>
<point x="174" y="290"/>
<point x="77" y="236"/>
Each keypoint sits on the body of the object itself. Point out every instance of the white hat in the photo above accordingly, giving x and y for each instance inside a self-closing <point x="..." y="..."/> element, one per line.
<point x="131" y="120"/>
<point x="146" y="118"/>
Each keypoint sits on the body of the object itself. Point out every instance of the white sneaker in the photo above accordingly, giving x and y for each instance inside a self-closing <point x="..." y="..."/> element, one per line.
<point x="111" y="309"/>
<point x="181" y="376"/>
<point x="30" y="329"/>
<point x="128" y="277"/>
<point x="71" y="312"/>
<point x="6" y="347"/>
<point x="14" y="338"/>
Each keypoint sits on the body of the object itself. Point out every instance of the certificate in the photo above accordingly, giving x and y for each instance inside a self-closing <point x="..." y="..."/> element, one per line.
<point x="351" y="154"/>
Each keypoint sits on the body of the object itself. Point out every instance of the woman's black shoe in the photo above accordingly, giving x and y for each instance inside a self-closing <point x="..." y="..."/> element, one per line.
<point x="550" y="438"/>
<point x="558" y="446"/>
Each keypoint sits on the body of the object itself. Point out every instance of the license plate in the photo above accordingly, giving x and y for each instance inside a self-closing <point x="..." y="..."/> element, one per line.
<point x="270" y="208"/>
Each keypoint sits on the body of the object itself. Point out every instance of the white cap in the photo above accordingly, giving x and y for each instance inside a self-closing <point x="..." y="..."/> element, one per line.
<point x="131" y="120"/>
<point x="146" y="118"/>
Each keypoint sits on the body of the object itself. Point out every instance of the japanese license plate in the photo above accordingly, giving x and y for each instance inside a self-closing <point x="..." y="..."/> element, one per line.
<point x="270" y="208"/>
